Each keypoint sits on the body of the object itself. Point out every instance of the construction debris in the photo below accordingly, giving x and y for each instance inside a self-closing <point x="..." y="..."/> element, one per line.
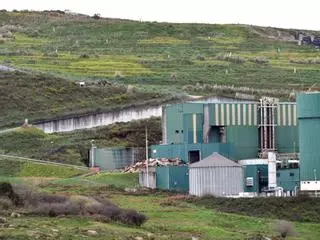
<point x="153" y="163"/>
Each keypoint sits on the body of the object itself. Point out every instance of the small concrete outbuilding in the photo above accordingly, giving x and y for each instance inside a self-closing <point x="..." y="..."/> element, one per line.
<point x="215" y="175"/>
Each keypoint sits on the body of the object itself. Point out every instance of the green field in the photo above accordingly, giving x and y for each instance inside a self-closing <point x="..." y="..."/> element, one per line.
<point x="169" y="215"/>
<point x="151" y="53"/>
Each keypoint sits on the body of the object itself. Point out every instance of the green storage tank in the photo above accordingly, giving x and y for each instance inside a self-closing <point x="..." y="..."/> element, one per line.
<point x="308" y="108"/>
<point x="173" y="178"/>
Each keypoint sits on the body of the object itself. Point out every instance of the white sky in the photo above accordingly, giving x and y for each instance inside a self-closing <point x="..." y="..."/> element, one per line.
<point x="277" y="13"/>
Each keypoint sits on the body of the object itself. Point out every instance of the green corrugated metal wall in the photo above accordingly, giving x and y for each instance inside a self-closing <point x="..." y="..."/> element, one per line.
<point x="309" y="135"/>
<point x="174" y="115"/>
<point x="193" y="128"/>
<point x="233" y="114"/>
<point x="288" y="179"/>
<point x="181" y="150"/>
<point x="287" y="139"/>
<point x="173" y="178"/>
<point x="162" y="176"/>
<point x="113" y="158"/>
<point x="245" y="141"/>
<point x="287" y="132"/>
<point x="252" y="171"/>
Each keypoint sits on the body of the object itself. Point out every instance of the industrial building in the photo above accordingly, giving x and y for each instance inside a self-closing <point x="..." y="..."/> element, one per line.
<point x="246" y="132"/>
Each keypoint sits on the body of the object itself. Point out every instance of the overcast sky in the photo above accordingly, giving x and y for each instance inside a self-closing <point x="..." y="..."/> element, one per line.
<point x="277" y="13"/>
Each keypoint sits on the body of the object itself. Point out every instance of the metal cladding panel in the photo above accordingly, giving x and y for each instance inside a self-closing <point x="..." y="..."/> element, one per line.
<point x="309" y="135"/>
<point x="174" y="120"/>
<point x="168" y="151"/>
<point x="110" y="159"/>
<point x="252" y="171"/>
<point x="174" y="178"/>
<point x="181" y="150"/>
<point x="162" y="178"/>
<point x="193" y="108"/>
<point x="216" y="181"/>
<point x="288" y="179"/>
<point x="174" y="123"/>
<point x="233" y="114"/>
<point x="309" y="149"/>
<point x="308" y="105"/>
<point x="245" y="141"/>
<point x="286" y="114"/>
<point x="287" y="139"/>
<point x="179" y="178"/>
<point x="193" y="128"/>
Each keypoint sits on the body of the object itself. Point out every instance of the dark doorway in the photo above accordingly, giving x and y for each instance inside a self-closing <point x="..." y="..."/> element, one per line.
<point x="217" y="134"/>
<point x="194" y="156"/>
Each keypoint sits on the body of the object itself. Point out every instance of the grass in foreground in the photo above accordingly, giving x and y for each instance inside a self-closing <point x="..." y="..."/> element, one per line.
<point x="170" y="216"/>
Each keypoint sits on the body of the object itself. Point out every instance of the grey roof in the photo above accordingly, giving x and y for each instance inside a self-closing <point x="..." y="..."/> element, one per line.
<point x="215" y="160"/>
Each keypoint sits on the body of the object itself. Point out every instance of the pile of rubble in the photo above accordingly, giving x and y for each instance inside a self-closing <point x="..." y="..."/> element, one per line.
<point x="152" y="163"/>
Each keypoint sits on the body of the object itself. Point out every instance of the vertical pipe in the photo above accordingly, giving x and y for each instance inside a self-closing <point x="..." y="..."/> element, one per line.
<point x="273" y="128"/>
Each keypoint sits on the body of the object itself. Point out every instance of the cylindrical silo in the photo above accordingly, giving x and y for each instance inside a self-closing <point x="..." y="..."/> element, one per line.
<point x="308" y="106"/>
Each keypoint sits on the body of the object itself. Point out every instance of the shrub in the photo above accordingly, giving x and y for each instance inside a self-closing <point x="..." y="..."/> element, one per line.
<point x="285" y="229"/>
<point x="132" y="217"/>
<point x="259" y="60"/>
<point x="230" y="58"/>
<point x="201" y="58"/>
<point x="96" y="16"/>
<point x="131" y="89"/>
<point x="54" y="205"/>
<point x="6" y="190"/>
<point x="306" y="61"/>
<point x="51" y="54"/>
<point x="84" y="55"/>
<point x="5" y="203"/>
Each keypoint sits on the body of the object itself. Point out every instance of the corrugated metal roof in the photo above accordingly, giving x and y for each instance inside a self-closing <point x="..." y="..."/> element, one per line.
<point x="215" y="160"/>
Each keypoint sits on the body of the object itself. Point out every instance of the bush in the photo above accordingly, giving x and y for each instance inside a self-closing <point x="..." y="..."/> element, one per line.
<point x="84" y="55"/>
<point x="230" y="58"/>
<point x="201" y="58"/>
<point x="306" y="61"/>
<point x="96" y="16"/>
<point x="132" y="217"/>
<point x="54" y="205"/>
<point x="259" y="60"/>
<point x="5" y="203"/>
<point x="285" y="229"/>
<point x="6" y="190"/>
<point x="51" y="54"/>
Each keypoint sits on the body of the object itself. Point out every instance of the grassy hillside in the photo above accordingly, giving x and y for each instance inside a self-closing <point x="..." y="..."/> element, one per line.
<point x="10" y="167"/>
<point x="161" y="60"/>
<point x="153" y="54"/>
<point x="37" y="96"/>
<point x="73" y="147"/>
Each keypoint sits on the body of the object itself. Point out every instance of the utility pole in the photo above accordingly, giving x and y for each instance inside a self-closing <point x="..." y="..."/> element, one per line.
<point x="92" y="153"/>
<point x="147" y="158"/>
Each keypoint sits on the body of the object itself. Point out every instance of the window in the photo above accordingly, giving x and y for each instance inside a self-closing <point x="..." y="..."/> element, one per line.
<point x="291" y="174"/>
